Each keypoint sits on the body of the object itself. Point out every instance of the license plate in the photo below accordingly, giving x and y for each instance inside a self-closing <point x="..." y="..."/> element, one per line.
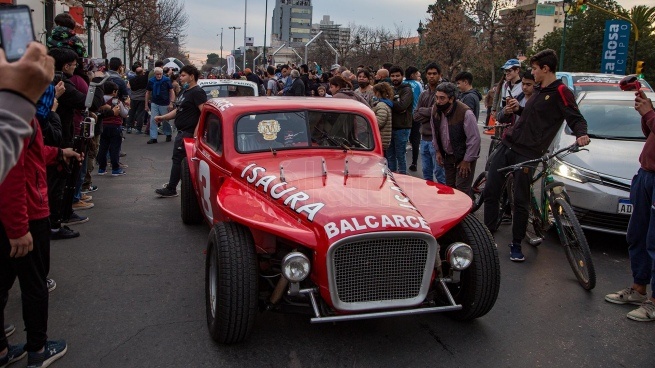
<point x="625" y="207"/>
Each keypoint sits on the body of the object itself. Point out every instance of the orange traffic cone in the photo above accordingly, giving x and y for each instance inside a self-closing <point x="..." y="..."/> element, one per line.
<point x="492" y="122"/>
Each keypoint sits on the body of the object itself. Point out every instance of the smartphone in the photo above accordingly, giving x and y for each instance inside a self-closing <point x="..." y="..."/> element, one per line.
<point x="16" y="30"/>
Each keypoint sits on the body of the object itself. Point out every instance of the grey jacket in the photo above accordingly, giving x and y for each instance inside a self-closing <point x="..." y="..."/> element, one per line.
<point x="15" y="115"/>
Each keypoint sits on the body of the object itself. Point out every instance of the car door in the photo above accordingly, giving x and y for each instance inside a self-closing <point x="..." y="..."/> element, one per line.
<point x="210" y="168"/>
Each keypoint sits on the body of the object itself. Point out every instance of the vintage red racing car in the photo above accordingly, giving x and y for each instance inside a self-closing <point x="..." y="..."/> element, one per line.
<point x="306" y="216"/>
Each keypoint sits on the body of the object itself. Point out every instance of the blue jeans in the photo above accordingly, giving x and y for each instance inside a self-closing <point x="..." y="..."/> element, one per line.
<point x="641" y="229"/>
<point x="157" y="110"/>
<point x="431" y="168"/>
<point x="396" y="152"/>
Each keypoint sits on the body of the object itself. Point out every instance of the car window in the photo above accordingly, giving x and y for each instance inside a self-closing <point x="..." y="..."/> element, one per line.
<point x="228" y="90"/>
<point x="302" y="130"/>
<point x="213" y="135"/>
<point x="612" y="119"/>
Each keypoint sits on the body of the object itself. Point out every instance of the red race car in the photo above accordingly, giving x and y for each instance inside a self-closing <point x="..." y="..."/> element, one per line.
<point x="305" y="215"/>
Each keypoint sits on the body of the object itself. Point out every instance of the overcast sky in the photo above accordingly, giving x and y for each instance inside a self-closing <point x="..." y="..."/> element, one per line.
<point x="207" y="17"/>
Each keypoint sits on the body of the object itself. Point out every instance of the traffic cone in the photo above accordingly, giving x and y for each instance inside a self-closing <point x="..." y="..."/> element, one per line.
<point x="492" y="122"/>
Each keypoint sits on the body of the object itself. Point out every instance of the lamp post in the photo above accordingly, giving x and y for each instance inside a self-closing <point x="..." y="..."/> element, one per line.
<point x="124" y="33"/>
<point x="420" y="31"/>
<point x="221" y="61"/>
<point x="566" y="7"/>
<point x="245" y="15"/>
<point x="265" y="26"/>
<point x="89" y="9"/>
<point x="235" y="37"/>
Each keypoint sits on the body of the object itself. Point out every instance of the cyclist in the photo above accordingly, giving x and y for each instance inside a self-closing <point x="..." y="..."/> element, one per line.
<point x="528" y="139"/>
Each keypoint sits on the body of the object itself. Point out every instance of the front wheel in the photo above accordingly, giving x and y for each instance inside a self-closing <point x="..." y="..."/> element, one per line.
<point x="477" y="191"/>
<point x="535" y="233"/>
<point x="480" y="283"/>
<point x="231" y="277"/>
<point x="575" y="243"/>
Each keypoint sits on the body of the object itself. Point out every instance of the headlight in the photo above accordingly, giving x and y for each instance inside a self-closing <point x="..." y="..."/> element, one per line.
<point x="565" y="170"/>
<point x="459" y="255"/>
<point x="295" y="267"/>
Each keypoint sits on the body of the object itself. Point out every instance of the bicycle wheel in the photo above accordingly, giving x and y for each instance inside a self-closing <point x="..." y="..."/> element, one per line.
<point x="535" y="231"/>
<point x="575" y="243"/>
<point x="477" y="191"/>
<point x="505" y="202"/>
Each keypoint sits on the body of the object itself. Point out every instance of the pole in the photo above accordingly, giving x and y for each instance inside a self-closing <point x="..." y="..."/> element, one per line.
<point x="265" y="26"/>
<point x="563" y="45"/>
<point x="307" y="44"/>
<point x="221" y="61"/>
<point x="245" y="15"/>
<point x="88" y="30"/>
<point x="125" y="51"/>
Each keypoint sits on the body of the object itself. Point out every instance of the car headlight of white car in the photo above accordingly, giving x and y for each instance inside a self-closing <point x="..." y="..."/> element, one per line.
<point x="566" y="170"/>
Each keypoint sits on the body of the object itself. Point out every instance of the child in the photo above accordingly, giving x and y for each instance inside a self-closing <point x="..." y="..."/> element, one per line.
<point x="63" y="35"/>
<point x="112" y="114"/>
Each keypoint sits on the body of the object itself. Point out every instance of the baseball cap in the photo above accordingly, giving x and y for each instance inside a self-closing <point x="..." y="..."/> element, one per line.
<point x="511" y="63"/>
<point x="335" y="66"/>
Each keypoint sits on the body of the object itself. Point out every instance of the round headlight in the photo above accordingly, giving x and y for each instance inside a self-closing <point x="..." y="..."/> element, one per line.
<point x="295" y="267"/>
<point x="459" y="255"/>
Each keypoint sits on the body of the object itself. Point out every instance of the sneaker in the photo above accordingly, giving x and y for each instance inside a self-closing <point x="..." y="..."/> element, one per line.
<point x="64" y="232"/>
<point x="129" y="130"/>
<point x="137" y="132"/>
<point x="14" y="354"/>
<point x="9" y="330"/>
<point x="626" y="296"/>
<point x="52" y="285"/>
<point x="506" y="219"/>
<point x="122" y="165"/>
<point x="118" y="172"/>
<point x="75" y="219"/>
<point x="90" y="189"/>
<point x="515" y="253"/>
<point x="152" y="141"/>
<point x="168" y="138"/>
<point x="52" y="351"/>
<point x="86" y="197"/>
<point x="412" y="167"/>
<point x="166" y="192"/>
<point x="122" y="154"/>
<point x="81" y="205"/>
<point x="102" y="171"/>
<point x="645" y="313"/>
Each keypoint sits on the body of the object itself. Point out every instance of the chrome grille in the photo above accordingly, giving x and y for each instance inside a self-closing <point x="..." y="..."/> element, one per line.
<point x="381" y="270"/>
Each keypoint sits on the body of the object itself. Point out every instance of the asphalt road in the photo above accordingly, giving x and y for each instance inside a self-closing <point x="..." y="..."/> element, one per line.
<point x="131" y="294"/>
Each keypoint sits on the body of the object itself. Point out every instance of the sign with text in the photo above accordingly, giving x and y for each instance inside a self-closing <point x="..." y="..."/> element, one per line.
<point x="615" y="47"/>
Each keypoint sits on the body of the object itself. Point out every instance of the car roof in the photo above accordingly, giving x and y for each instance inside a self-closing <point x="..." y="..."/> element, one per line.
<point x="613" y="95"/>
<point x="235" y="82"/>
<point x="251" y="104"/>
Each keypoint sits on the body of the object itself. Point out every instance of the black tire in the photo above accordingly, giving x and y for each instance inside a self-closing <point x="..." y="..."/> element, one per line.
<point x="477" y="191"/>
<point x="575" y="243"/>
<point x="190" y="208"/>
<point x="535" y="233"/>
<point x="231" y="276"/>
<point x="479" y="284"/>
<point x="505" y="202"/>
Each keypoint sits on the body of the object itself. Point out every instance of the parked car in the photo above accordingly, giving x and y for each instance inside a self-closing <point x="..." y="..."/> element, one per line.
<point x="305" y="216"/>
<point x="221" y="88"/>
<point x="598" y="180"/>
<point x="581" y="82"/>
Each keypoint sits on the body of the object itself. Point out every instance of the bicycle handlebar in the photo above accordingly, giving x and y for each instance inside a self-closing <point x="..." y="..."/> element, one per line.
<point x="489" y="127"/>
<point x="572" y="148"/>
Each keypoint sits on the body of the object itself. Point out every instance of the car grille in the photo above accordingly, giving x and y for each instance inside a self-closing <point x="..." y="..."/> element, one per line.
<point x="381" y="271"/>
<point x="609" y="181"/>
<point x="602" y="220"/>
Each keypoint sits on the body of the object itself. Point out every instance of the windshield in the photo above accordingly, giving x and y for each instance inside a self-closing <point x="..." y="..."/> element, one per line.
<point x="592" y="83"/>
<point x="227" y="90"/>
<point x="303" y="129"/>
<point x="612" y="119"/>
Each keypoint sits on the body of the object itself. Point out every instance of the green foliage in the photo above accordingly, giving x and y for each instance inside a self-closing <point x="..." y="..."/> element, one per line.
<point x="213" y="59"/>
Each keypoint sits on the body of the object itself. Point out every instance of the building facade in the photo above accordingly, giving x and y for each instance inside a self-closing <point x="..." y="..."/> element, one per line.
<point x="292" y="22"/>
<point x="544" y="17"/>
<point x="335" y="34"/>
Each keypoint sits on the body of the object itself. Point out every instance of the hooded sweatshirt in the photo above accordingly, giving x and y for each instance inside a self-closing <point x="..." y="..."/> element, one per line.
<point x="63" y="37"/>
<point x="471" y="98"/>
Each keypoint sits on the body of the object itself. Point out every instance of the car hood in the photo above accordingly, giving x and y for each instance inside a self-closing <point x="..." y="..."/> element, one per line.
<point x="617" y="158"/>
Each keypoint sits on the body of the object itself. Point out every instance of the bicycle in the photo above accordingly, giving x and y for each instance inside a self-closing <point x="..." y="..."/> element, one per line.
<point x="554" y="208"/>
<point x="477" y="188"/>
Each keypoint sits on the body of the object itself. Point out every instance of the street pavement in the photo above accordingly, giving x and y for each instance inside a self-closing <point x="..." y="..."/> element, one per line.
<point x="130" y="293"/>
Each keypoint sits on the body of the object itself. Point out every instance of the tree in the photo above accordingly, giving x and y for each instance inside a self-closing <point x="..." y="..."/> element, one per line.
<point x="213" y="59"/>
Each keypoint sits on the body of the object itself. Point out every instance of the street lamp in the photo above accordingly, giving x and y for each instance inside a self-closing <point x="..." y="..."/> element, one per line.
<point x="221" y="61"/>
<point x="235" y="36"/>
<point x="420" y="31"/>
<point x="89" y="9"/>
<point x="124" y="33"/>
<point x="566" y="7"/>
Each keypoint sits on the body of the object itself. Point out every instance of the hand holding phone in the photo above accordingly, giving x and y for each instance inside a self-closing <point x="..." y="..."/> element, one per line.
<point x="30" y="75"/>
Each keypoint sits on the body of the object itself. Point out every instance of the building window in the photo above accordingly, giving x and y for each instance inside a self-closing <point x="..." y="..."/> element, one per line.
<point x="301" y="11"/>
<point x="300" y="30"/>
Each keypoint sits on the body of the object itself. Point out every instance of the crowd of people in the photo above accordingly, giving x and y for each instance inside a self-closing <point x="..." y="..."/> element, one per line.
<point x="48" y="95"/>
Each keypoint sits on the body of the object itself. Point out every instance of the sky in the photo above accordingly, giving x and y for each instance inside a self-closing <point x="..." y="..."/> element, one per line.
<point x="206" y="18"/>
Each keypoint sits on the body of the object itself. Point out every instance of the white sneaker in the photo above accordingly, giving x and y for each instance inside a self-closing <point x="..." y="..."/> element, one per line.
<point x="626" y="296"/>
<point x="645" y="313"/>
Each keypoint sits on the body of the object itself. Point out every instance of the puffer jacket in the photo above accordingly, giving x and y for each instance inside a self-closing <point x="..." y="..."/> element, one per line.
<point x="402" y="107"/>
<point x="62" y="37"/>
<point x="382" y="110"/>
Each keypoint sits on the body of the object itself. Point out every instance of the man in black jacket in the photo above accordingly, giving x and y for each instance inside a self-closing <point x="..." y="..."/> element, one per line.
<point x="528" y="139"/>
<point x="138" y="86"/>
<point x="297" y="87"/>
<point x="401" y="121"/>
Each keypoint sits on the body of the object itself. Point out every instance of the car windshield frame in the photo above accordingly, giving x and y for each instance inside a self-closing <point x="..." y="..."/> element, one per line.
<point x="592" y="83"/>
<point x="225" y="87"/>
<point x="608" y="119"/>
<point x="317" y="134"/>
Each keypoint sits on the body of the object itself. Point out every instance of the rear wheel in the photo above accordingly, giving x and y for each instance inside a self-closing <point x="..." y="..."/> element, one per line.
<point x="231" y="277"/>
<point x="190" y="209"/>
<point x="477" y="191"/>
<point x="575" y="243"/>
<point x="479" y="284"/>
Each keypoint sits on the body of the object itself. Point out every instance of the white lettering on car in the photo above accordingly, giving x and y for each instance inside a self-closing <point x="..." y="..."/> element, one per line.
<point x="353" y="224"/>
<point x="296" y="201"/>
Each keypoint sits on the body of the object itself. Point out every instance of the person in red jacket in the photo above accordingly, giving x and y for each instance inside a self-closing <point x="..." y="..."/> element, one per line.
<point x="25" y="245"/>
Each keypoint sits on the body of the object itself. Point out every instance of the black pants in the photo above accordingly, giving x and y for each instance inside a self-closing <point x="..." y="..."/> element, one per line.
<point x="137" y="109"/>
<point x="415" y="140"/>
<point x="453" y="179"/>
<point x="504" y="156"/>
<point x="179" y="153"/>
<point x="31" y="271"/>
<point x="56" y="185"/>
<point x="110" y="140"/>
